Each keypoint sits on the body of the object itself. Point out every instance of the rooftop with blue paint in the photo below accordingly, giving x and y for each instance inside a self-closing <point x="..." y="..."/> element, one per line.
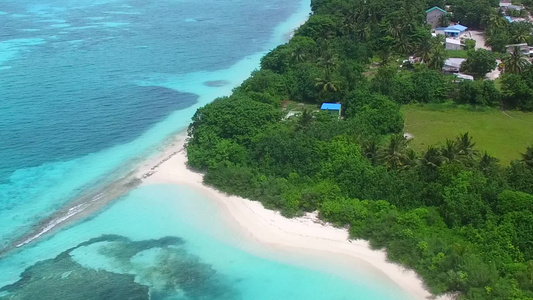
<point x="457" y="27"/>
<point x="330" y="106"/>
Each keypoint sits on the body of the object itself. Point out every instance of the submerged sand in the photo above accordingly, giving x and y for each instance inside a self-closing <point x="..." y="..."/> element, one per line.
<point x="304" y="240"/>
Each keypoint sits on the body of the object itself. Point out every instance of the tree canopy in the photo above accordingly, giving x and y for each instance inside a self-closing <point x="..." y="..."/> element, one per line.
<point x="452" y="213"/>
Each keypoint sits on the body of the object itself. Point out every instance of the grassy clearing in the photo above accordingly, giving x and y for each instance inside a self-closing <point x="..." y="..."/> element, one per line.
<point x="457" y="53"/>
<point x="503" y="136"/>
<point x="296" y="106"/>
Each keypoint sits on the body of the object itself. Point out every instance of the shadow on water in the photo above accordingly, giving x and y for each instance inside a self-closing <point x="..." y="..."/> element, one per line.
<point x="172" y="272"/>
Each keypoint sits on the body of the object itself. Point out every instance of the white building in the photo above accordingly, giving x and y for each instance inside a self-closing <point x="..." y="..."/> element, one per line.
<point x="524" y="48"/>
<point x="453" y="65"/>
<point x="453" y="44"/>
<point x="463" y="77"/>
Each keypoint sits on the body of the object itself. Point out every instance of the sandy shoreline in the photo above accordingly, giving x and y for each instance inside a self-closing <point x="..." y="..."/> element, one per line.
<point x="305" y="236"/>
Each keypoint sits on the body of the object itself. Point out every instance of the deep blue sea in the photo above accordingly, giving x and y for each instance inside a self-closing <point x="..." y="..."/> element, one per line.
<point x="90" y="87"/>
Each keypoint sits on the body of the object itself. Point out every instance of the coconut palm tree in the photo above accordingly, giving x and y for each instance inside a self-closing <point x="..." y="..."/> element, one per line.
<point x="450" y="152"/>
<point x="465" y="146"/>
<point x="403" y="45"/>
<point x="432" y="159"/>
<point x="394" y="155"/>
<point x="329" y="61"/>
<point x="305" y="120"/>
<point x="527" y="157"/>
<point x="412" y="160"/>
<point x="515" y="62"/>
<point x="437" y="57"/>
<point x="370" y="150"/>
<point x="495" y="21"/>
<point x="487" y="162"/>
<point x="396" y="27"/>
<point x="520" y="32"/>
<point x="350" y="21"/>
<point x="424" y="50"/>
<point x="326" y="84"/>
<point x="363" y="31"/>
<point x="299" y="55"/>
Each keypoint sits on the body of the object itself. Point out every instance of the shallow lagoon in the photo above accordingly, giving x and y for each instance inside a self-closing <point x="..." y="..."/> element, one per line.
<point x="174" y="245"/>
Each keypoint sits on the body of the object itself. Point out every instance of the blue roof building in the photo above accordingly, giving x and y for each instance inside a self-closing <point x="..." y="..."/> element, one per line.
<point x="452" y="30"/>
<point x="459" y="27"/>
<point x="332" y="107"/>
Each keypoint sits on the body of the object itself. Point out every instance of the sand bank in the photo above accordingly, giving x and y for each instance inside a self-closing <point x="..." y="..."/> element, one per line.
<point x="306" y="237"/>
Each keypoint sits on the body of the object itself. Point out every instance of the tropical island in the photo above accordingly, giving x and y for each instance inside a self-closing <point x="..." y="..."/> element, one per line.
<point x="358" y="117"/>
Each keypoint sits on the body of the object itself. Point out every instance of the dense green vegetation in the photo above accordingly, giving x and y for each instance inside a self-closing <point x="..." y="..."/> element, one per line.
<point x="452" y="213"/>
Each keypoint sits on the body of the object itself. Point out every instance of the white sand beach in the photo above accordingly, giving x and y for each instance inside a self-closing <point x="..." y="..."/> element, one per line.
<point x="304" y="238"/>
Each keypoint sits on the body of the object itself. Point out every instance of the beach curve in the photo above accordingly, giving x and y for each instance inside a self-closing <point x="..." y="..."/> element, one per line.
<point x="267" y="232"/>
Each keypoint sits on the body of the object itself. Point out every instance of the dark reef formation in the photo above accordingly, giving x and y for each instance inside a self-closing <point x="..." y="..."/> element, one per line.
<point x="174" y="274"/>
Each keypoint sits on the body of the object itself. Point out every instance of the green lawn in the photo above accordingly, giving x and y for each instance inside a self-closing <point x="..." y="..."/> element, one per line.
<point x="502" y="136"/>
<point x="457" y="53"/>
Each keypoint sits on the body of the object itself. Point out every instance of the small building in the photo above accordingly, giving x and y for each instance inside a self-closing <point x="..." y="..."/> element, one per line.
<point x="452" y="30"/>
<point x="440" y="30"/>
<point x="514" y="7"/>
<point x="434" y="16"/>
<point x="524" y="48"/>
<point x="462" y="77"/>
<point x="334" y="108"/>
<point x="453" y="44"/>
<point x="455" y="30"/>
<point x="453" y="65"/>
<point x="505" y="3"/>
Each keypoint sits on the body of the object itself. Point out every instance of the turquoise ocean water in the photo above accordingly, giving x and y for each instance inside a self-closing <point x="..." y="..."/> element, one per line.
<point x="89" y="88"/>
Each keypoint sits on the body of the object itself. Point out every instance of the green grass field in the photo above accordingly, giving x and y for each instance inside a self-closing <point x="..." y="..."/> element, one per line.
<point x="457" y="53"/>
<point x="502" y="136"/>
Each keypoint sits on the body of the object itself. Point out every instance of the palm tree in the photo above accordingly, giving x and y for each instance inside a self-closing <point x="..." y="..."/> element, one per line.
<point x="520" y="33"/>
<point x="403" y="45"/>
<point x="515" y="62"/>
<point x="396" y="28"/>
<point x="495" y="21"/>
<point x="465" y="146"/>
<point x="305" y="120"/>
<point x="370" y="149"/>
<point x="326" y="84"/>
<point x="437" y="57"/>
<point x="328" y="61"/>
<point x="394" y="154"/>
<point x="487" y="162"/>
<point x="411" y="160"/>
<point x="298" y="55"/>
<point x="350" y="20"/>
<point x="424" y="50"/>
<point x="363" y="31"/>
<point x="432" y="159"/>
<point x="450" y="152"/>
<point x="527" y="157"/>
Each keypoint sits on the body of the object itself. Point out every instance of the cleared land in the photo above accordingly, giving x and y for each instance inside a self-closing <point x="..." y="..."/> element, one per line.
<point x="457" y="53"/>
<point x="503" y="135"/>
